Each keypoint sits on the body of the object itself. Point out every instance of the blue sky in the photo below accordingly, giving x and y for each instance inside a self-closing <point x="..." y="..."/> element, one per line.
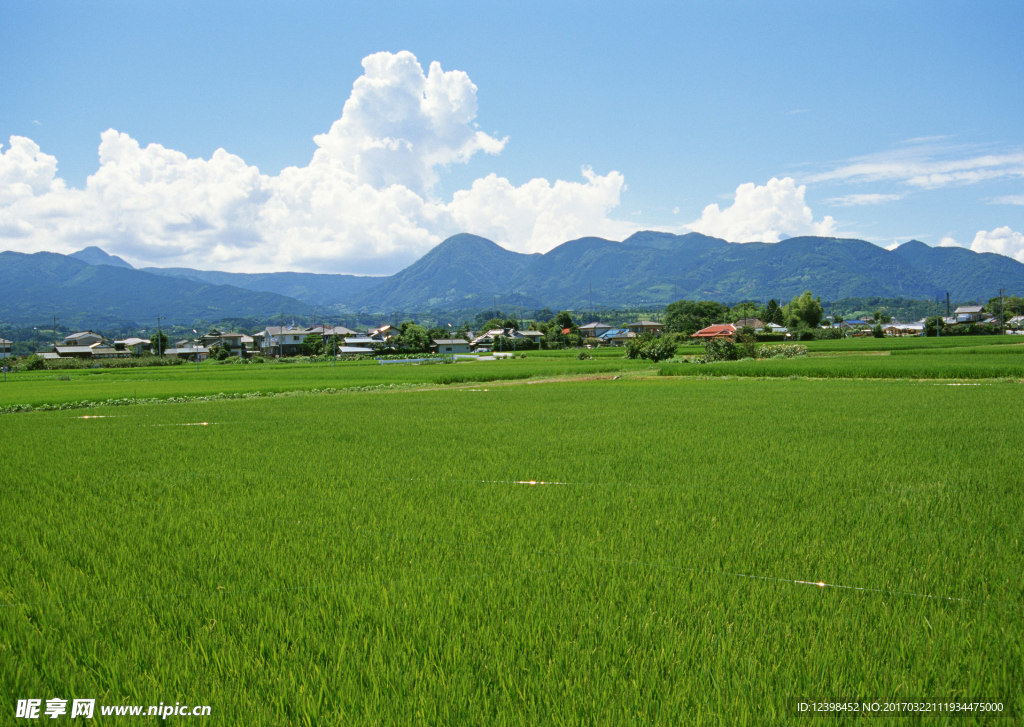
<point x="543" y="122"/>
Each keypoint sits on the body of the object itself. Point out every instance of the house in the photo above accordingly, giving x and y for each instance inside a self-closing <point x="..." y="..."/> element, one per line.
<point x="617" y="336"/>
<point x="331" y="334"/>
<point x="190" y="352"/>
<point x="642" y="327"/>
<point x="384" y="333"/>
<point x="74" y="351"/>
<point x="100" y="351"/>
<point x="451" y="345"/>
<point x="903" y="329"/>
<point x="5" y="348"/>
<point x="719" y="330"/>
<point x="134" y="345"/>
<point x="756" y="323"/>
<point x="233" y="342"/>
<point x="366" y="342"/>
<point x="83" y="338"/>
<point x="280" y="340"/>
<point x="969" y="313"/>
<point x="595" y="329"/>
<point x="535" y="336"/>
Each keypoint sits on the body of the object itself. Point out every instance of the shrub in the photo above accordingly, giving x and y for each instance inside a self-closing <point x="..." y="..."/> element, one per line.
<point x="651" y="348"/>
<point x="719" y="349"/>
<point x="32" y="363"/>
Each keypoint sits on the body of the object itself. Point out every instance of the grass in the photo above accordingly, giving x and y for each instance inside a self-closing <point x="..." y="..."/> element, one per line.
<point x="52" y="388"/>
<point x="383" y="558"/>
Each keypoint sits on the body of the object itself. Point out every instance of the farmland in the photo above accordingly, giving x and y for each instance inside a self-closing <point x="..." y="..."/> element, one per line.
<point x="529" y="541"/>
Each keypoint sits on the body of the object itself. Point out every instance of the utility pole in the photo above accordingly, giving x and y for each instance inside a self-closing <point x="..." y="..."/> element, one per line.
<point x="159" y="338"/>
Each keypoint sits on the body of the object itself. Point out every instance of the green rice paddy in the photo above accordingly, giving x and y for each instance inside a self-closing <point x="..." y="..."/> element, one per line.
<point x="550" y="546"/>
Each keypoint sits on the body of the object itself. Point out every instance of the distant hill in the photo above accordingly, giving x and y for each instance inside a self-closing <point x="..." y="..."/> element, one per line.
<point x="463" y="272"/>
<point x="655" y="268"/>
<point x="47" y="284"/>
<point x="314" y="288"/>
<point x="95" y="256"/>
<point x="467" y="272"/>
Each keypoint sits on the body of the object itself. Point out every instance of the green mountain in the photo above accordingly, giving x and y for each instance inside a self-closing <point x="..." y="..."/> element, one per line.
<point x="46" y="284"/>
<point x="96" y="256"/>
<point x="316" y="289"/>
<point x="655" y="268"/>
<point x="463" y="272"/>
<point x="467" y="272"/>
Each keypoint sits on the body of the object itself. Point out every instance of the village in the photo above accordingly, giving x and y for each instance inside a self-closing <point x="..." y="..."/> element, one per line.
<point x="283" y="341"/>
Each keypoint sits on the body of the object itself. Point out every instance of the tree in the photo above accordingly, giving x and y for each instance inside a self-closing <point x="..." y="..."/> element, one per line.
<point x="159" y="343"/>
<point x="689" y="316"/>
<point x="1008" y="306"/>
<point x="929" y="326"/>
<point x="772" y="313"/>
<point x="746" y="309"/>
<point x="651" y="347"/>
<point x="880" y="316"/>
<point x="414" y="337"/>
<point x="805" y="309"/>
<point x="312" y="344"/>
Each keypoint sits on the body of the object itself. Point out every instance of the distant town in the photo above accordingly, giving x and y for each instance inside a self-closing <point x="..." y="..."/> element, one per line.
<point x="801" y="319"/>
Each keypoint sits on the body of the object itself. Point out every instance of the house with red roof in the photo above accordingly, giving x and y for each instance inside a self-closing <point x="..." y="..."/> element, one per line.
<point x="719" y="330"/>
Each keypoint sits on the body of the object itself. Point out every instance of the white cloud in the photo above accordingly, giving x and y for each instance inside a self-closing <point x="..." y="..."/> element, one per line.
<point x="1017" y="199"/>
<point x="363" y="204"/>
<point x="858" y="200"/>
<point x="1001" y="240"/>
<point x="539" y="214"/>
<point x="765" y="213"/>
<point x="927" y="166"/>
<point x="948" y="242"/>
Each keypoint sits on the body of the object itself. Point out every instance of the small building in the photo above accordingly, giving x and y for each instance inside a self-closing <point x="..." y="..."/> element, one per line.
<point x="617" y="336"/>
<point x="74" y="351"/>
<point x="99" y="351"/>
<point x="451" y="345"/>
<point x="756" y="323"/>
<point x="5" y="348"/>
<point x="642" y="327"/>
<point x="969" y="313"/>
<point x="719" y="330"/>
<point x="83" y="338"/>
<point x="280" y="340"/>
<point x="903" y="329"/>
<point x="134" y="345"/>
<point x="233" y="342"/>
<point x="595" y="329"/>
<point x="191" y="352"/>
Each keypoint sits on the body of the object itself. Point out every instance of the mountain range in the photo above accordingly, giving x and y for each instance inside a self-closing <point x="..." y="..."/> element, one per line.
<point x="467" y="272"/>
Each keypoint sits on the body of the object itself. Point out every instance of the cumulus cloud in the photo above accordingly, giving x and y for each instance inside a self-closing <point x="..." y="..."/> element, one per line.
<point x="1001" y="240"/>
<point x="948" y="242"/>
<point x="766" y="213"/>
<point x="364" y="203"/>
<point x="540" y="214"/>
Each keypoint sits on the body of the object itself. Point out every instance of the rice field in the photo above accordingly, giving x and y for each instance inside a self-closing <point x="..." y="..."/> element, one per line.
<point x="649" y="550"/>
